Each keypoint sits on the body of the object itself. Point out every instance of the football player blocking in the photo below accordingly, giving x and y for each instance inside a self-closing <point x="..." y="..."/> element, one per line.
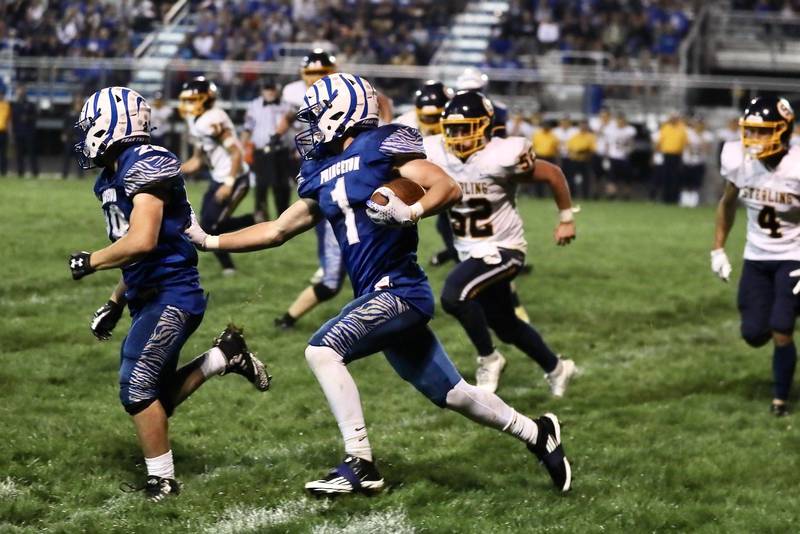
<point x="346" y="158"/>
<point x="143" y="198"/>
<point x="489" y="237"/>
<point x="763" y="171"/>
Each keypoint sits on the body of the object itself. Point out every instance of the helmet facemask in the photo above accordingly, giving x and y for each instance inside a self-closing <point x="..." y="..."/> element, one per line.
<point x="193" y="104"/>
<point x="463" y="136"/>
<point x="762" y="139"/>
<point x="81" y="148"/>
<point x="429" y="120"/>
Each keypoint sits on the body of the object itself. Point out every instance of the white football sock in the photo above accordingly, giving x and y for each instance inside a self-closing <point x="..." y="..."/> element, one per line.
<point x="161" y="466"/>
<point x="213" y="362"/>
<point x="343" y="398"/>
<point x="490" y="410"/>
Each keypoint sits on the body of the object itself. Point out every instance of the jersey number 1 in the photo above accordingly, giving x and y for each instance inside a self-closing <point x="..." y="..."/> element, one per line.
<point x="339" y="195"/>
<point x="768" y="220"/>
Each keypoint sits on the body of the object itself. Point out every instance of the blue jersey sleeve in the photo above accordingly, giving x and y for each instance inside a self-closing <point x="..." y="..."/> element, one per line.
<point x="391" y="146"/>
<point x="150" y="172"/>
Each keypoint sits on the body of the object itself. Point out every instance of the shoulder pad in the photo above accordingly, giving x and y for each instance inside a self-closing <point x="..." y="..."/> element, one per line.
<point x="409" y="118"/>
<point x="790" y="164"/>
<point x="155" y="168"/>
<point x="434" y="148"/>
<point x="401" y="141"/>
<point x="507" y="152"/>
<point x="731" y="157"/>
<point x="212" y="122"/>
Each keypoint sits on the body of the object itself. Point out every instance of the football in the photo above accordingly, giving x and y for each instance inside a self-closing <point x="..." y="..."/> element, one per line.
<point x="406" y="190"/>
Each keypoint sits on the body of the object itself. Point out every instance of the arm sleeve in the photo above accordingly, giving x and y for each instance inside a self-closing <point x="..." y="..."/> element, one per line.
<point x="403" y="144"/>
<point x="151" y="172"/>
<point x="730" y="160"/>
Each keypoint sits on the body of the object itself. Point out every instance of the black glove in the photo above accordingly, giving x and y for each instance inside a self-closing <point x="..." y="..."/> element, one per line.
<point x="275" y="141"/>
<point x="105" y="319"/>
<point x="79" y="264"/>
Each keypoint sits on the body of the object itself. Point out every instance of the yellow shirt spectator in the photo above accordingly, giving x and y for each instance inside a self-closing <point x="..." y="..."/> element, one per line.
<point x="5" y="115"/>
<point x="672" y="138"/>
<point x="581" y="146"/>
<point x="545" y="144"/>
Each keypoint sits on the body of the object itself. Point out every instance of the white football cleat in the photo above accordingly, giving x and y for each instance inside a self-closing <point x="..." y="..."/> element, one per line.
<point x="487" y="376"/>
<point x="560" y="376"/>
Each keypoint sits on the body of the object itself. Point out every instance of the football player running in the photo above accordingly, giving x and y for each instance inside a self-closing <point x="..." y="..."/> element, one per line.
<point x="763" y="171"/>
<point x="347" y="158"/>
<point x="429" y="102"/>
<point x="216" y="147"/>
<point x="327" y="281"/>
<point x="142" y="194"/>
<point x="489" y="236"/>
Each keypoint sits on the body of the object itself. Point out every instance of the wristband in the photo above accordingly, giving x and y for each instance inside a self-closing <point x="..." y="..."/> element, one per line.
<point x="229" y="181"/>
<point x="229" y="142"/>
<point x="566" y="216"/>
<point x="211" y="242"/>
<point x="416" y="211"/>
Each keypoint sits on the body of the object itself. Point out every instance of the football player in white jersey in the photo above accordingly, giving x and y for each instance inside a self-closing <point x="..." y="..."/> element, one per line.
<point x="763" y="171"/>
<point x="216" y="148"/>
<point x="489" y="236"/>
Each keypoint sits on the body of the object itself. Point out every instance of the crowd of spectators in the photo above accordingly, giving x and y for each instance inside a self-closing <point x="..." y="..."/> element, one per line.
<point x="638" y="30"/>
<point x="364" y="31"/>
<point x="605" y="156"/>
<point x="77" y="28"/>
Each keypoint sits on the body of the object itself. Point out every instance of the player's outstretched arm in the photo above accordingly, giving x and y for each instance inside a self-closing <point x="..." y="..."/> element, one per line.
<point x="544" y="171"/>
<point x="299" y="217"/>
<point x="141" y="238"/>
<point x="725" y="217"/>
<point x="441" y="191"/>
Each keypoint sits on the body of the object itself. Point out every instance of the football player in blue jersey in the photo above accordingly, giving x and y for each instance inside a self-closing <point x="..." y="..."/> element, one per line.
<point x="346" y="159"/>
<point x="143" y="198"/>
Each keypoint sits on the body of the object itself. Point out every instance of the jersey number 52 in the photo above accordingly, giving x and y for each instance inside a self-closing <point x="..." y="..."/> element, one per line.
<point x="469" y="222"/>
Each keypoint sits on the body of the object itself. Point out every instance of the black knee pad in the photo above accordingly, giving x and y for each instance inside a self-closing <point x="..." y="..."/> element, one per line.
<point x="755" y="338"/>
<point x="323" y="292"/>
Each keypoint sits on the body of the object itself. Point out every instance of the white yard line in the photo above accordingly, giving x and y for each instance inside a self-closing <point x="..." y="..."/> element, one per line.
<point x="239" y="519"/>
<point x="395" y="521"/>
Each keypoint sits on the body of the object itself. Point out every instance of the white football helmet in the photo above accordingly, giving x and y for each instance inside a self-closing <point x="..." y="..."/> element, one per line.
<point x="332" y="106"/>
<point x="110" y="116"/>
<point x="472" y="79"/>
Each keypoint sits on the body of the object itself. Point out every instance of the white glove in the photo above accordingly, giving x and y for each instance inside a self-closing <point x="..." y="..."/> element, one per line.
<point x="395" y="212"/>
<point x="196" y="234"/>
<point x="796" y="274"/>
<point x="721" y="265"/>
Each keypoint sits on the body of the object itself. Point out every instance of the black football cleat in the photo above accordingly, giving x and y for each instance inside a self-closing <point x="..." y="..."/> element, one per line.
<point x="240" y="360"/>
<point x="779" y="410"/>
<point x="286" y="322"/>
<point x="353" y="475"/>
<point x="155" y="489"/>
<point x="441" y="257"/>
<point x="550" y="452"/>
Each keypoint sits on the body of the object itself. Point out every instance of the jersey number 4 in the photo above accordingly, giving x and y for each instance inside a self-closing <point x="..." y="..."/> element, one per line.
<point x="468" y="224"/>
<point x="768" y="220"/>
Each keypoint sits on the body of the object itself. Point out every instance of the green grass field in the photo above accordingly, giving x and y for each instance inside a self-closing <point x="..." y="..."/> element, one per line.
<point x="667" y="427"/>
